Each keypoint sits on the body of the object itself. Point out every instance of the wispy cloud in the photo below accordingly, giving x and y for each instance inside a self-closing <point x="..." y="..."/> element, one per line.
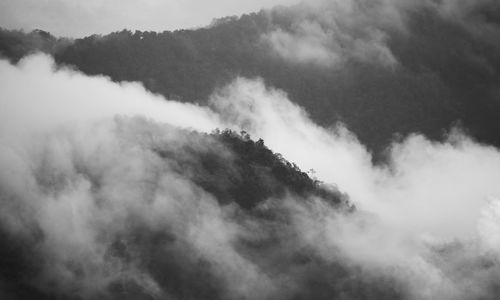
<point x="332" y="32"/>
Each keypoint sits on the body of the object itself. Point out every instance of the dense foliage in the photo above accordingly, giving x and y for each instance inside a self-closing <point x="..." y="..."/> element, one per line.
<point x="16" y="44"/>
<point x="251" y="175"/>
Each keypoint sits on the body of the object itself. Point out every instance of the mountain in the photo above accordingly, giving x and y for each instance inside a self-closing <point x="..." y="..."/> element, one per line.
<point x="390" y="79"/>
<point x="108" y="191"/>
<point x="156" y="255"/>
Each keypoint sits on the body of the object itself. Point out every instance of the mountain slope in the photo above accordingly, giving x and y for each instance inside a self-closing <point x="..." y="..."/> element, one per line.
<point x="203" y="216"/>
<point x="388" y="80"/>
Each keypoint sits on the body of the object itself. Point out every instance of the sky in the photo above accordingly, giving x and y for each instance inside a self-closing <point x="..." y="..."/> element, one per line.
<point x="75" y="18"/>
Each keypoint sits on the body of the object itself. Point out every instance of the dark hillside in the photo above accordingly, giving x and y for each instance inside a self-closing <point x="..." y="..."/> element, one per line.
<point x="17" y="44"/>
<point x="432" y="87"/>
<point x="250" y="175"/>
<point x="240" y="174"/>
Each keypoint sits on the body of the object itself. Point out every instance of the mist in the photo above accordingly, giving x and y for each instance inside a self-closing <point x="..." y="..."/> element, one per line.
<point x="91" y="210"/>
<point x="332" y="33"/>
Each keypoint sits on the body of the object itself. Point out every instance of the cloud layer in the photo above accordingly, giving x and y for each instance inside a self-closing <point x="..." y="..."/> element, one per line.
<point x="95" y="212"/>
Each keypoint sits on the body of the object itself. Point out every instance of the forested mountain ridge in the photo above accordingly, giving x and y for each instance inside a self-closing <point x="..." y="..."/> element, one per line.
<point x="160" y="258"/>
<point x="117" y="184"/>
<point x="408" y="81"/>
<point x="250" y="175"/>
<point x="15" y="44"/>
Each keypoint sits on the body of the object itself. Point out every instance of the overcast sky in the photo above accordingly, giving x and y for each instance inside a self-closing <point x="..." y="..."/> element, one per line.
<point x="77" y="18"/>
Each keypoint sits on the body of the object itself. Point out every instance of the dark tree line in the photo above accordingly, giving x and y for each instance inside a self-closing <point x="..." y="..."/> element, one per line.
<point x="251" y="174"/>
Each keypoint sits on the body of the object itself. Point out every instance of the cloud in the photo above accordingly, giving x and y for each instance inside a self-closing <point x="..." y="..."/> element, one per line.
<point x="94" y="211"/>
<point x="309" y="44"/>
<point x="330" y="33"/>
<point x="420" y="173"/>
<point x="35" y="107"/>
<point x="429" y="203"/>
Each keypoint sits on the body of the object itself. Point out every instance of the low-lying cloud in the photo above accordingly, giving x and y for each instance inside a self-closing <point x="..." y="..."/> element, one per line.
<point x="95" y="212"/>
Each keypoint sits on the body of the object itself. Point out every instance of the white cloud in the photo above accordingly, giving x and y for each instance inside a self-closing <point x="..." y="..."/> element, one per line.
<point x="413" y="211"/>
<point x="30" y="103"/>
